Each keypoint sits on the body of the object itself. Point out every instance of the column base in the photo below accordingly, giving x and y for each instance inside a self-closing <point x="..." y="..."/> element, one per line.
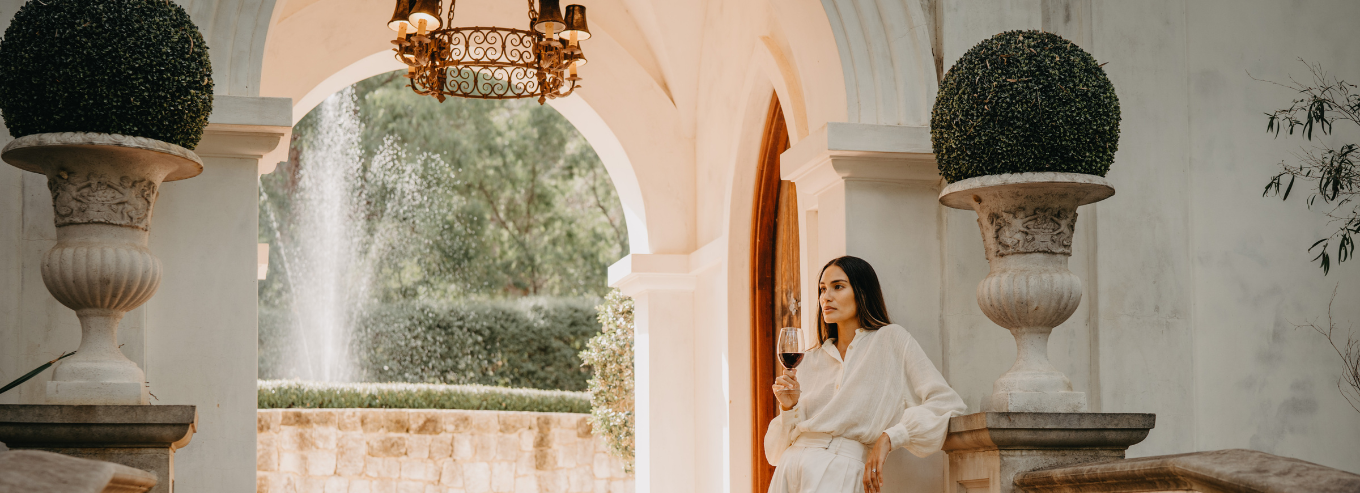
<point x="1036" y="402"/>
<point x="142" y="437"/>
<point x="987" y="450"/>
<point x="97" y="393"/>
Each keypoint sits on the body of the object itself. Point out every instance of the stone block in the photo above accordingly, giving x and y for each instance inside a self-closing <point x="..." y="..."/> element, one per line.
<point x="457" y="421"/>
<point x="580" y="480"/>
<point x="584" y="430"/>
<point x="360" y="486"/>
<point x="291" y="461"/>
<point x="525" y="463"/>
<point x="382" y="467"/>
<point x="527" y="484"/>
<point x="385" y="486"/>
<point x="441" y="446"/>
<point x="352" y="450"/>
<point x="477" y="477"/>
<point x="526" y="439"/>
<point x="463" y="448"/>
<point x="602" y="465"/>
<point x="424" y="423"/>
<point x="601" y="486"/>
<point x="514" y="422"/>
<point x="507" y="448"/>
<point x="553" y="482"/>
<point x="410" y="487"/>
<point x="484" y="448"/>
<point x="266" y="453"/>
<point x="267" y="421"/>
<point x="317" y="438"/>
<point x="565" y="456"/>
<point x="337" y="485"/>
<point x="502" y="477"/>
<point x="543" y="438"/>
<point x="320" y="462"/>
<point x="450" y="473"/>
<point x="388" y="420"/>
<point x="387" y="446"/>
<point x="291" y="417"/>
<point x="418" y="446"/>
<point x="585" y="452"/>
<point x="308" y="484"/>
<point x="545" y="459"/>
<point x="318" y="418"/>
<point x="348" y="420"/>
<point x="419" y="470"/>
<point x="483" y="422"/>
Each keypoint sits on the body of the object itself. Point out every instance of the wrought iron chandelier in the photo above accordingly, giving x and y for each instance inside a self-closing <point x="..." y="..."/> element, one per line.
<point x="490" y="62"/>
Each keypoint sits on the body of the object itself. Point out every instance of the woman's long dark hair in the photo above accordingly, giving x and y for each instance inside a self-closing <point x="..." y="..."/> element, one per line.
<point x="869" y="304"/>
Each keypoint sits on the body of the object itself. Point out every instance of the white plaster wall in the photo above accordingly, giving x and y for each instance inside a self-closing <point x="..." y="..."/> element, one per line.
<point x="1194" y="282"/>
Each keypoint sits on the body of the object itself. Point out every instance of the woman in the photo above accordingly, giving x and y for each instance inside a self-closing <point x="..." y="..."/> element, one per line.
<point x="869" y="389"/>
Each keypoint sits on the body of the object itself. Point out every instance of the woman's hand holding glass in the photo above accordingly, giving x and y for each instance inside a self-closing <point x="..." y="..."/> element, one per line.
<point x="786" y="389"/>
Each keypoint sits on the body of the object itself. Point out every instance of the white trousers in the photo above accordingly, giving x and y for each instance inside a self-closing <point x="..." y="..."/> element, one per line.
<point x="820" y="463"/>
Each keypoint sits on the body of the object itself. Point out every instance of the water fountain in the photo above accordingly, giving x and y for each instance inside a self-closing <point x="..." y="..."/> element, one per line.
<point x="322" y="257"/>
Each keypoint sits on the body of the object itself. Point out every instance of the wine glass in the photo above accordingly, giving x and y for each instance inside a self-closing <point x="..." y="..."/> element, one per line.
<point x="789" y="347"/>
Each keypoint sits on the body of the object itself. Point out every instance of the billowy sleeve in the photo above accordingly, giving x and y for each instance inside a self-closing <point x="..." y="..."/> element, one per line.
<point x="923" y="427"/>
<point x="779" y="436"/>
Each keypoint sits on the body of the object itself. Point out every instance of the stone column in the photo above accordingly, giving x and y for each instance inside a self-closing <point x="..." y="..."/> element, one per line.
<point x="662" y="289"/>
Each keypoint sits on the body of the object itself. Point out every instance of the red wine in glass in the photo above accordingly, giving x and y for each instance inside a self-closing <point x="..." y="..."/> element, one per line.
<point x="790" y="350"/>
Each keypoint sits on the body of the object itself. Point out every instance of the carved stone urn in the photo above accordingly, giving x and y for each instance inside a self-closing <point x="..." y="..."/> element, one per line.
<point x="104" y="187"/>
<point x="1027" y="222"/>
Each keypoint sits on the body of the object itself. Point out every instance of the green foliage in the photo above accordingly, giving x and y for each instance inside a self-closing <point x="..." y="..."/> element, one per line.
<point x="611" y="388"/>
<point x="274" y="394"/>
<point x="1332" y="168"/>
<point x="529" y="343"/>
<point x="1024" y="101"/>
<point x="129" y="67"/>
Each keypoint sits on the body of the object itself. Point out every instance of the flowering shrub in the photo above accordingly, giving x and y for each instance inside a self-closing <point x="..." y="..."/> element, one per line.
<point x="611" y="388"/>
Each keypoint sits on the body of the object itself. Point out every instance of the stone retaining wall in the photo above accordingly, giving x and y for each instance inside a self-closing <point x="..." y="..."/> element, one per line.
<point x="432" y="451"/>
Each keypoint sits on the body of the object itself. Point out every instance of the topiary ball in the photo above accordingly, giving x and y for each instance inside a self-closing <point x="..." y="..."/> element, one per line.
<point x="129" y="67"/>
<point x="1024" y="101"/>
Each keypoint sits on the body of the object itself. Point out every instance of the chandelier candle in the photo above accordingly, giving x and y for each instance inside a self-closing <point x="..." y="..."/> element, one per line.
<point x="490" y="62"/>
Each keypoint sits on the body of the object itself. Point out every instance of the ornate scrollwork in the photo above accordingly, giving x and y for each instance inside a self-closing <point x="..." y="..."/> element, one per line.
<point x="84" y="198"/>
<point x="1025" y="229"/>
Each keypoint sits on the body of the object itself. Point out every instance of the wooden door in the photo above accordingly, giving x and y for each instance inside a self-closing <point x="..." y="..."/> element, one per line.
<point x="774" y="279"/>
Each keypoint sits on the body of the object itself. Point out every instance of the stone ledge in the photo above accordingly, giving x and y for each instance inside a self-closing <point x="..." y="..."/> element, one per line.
<point x="31" y="470"/>
<point x="1029" y="431"/>
<point x="60" y="426"/>
<point x="1214" y="471"/>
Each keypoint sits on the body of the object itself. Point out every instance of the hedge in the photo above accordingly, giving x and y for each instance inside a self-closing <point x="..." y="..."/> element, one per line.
<point x="277" y="394"/>
<point x="129" y="67"/>
<point x="531" y="343"/>
<point x="1024" y="101"/>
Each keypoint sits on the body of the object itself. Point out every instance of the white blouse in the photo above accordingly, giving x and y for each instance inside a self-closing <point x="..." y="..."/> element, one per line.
<point x="886" y="384"/>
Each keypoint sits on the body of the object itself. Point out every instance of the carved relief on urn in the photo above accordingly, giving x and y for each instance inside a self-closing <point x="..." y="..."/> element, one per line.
<point x="1027" y="222"/>
<point x="104" y="189"/>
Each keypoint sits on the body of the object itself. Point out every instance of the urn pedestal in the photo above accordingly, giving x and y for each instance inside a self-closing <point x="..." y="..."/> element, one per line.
<point x="1027" y="222"/>
<point x="104" y="188"/>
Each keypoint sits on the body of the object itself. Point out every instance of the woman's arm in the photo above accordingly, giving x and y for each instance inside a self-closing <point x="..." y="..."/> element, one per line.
<point x="779" y="435"/>
<point x="923" y="427"/>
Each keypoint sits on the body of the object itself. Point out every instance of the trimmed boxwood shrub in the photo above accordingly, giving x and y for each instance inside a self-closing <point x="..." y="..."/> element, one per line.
<point x="129" y="67"/>
<point x="1024" y="101"/>
<point x="295" y="394"/>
